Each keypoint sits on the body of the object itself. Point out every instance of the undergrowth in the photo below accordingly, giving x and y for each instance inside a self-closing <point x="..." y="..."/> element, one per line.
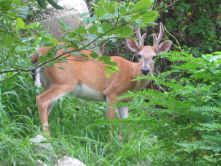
<point x="179" y="125"/>
<point x="78" y="129"/>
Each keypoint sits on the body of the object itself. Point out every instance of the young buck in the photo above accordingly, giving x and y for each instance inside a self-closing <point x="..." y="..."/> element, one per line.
<point x="86" y="79"/>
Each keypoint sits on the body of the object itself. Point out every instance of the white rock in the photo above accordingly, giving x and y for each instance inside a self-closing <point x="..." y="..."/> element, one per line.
<point x="79" y="5"/>
<point x="69" y="161"/>
<point x="42" y="147"/>
<point x="39" y="145"/>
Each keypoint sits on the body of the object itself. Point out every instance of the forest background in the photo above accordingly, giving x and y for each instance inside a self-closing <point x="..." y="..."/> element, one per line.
<point x="175" y="120"/>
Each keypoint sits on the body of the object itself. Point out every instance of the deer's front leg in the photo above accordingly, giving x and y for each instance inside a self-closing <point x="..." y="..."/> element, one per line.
<point x="123" y="112"/>
<point x="111" y="106"/>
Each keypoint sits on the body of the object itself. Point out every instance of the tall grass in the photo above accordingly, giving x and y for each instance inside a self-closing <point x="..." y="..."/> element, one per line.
<point x="78" y="129"/>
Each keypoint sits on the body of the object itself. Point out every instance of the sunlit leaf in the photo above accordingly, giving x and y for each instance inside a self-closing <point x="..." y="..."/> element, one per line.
<point x="100" y="11"/>
<point x="81" y="30"/>
<point x="136" y="17"/>
<point x="123" y="11"/>
<point x="16" y="2"/>
<point x="54" y="41"/>
<point x="20" y="23"/>
<point x="149" y="14"/>
<point x="149" y="19"/>
<point x="143" y="5"/>
<point x="71" y="34"/>
<point x="107" y="75"/>
<point x="104" y="58"/>
<point x="111" y="69"/>
<point x="31" y="25"/>
<point x="111" y="63"/>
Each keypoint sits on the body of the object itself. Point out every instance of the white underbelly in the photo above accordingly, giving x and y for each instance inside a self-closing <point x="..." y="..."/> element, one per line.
<point x="84" y="92"/>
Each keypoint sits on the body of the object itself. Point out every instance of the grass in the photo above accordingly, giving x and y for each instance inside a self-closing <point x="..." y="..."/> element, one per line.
<point x="81" y="133"/>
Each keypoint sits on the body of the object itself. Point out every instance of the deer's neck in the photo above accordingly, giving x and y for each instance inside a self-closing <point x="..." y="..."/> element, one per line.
<point x="140" y="83"/>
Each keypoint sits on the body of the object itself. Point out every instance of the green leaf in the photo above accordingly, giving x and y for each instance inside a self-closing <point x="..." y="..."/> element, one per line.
<point x="134" y="18"/>
<point x="81" y="30"/>
<point x="73" y="45"/>
<point x="112" y="7"/>
<point x="10" y="16"/>
<point x="92" y="29"/>
<point x="16" y="2"/>
<point x="111" y="69"/>
<point x="106" y="27"/>
<point x="143" y="5"/>
<point x="100" y="11"/>
<point x="71" y="34"/>
<point x="127" y="31"/>
<point x="149" y="19"/>
<point x="5" y="5"/>
<point x="150" y="14"/>
<point x="111" y="63"/>
<point x="55" y="5"/>
<point x="60" y="68"/>
<point x="107" y="75"/>
<point x="54" y="41"/>
<point x="117" y="31"/>
<point x="60" y="21"/>
<point x="84" y="55"/>
<point x="42" y="59"/>
<point x="42" y="3"/>
<point x="94" y="55"/>
<point x="67" y="26"/>
<point x="30" y="25"/>
<point x="104" y="58"/>
<point x="123" y="32"/>
<point x="123" y="11"/>
<point x="49" y="45"/>
<point x="20" y="23"/>
<point x="93" y="18"/>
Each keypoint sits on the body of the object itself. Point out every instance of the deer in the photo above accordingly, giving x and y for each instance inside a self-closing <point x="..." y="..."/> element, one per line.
<point x="86" y="79"/>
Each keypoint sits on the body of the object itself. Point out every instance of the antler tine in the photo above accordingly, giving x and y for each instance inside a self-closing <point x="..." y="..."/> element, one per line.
<point x="161" y="31"/>
<point x="158" y="39"/>
<point x="138" y="33"/>
<point x="141" y="38"/>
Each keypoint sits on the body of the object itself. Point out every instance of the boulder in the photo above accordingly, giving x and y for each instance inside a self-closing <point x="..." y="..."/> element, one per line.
<point x="42" y="146"/>
<point x="69" y="15"/>
<point x="69" y="161"/>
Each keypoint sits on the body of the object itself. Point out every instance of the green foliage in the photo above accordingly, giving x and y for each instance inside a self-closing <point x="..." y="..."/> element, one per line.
<point x="185" y="114"/>
<point x="196" y="24"/>
<point x="74" y="133"/>
<point x="13" y="44"/>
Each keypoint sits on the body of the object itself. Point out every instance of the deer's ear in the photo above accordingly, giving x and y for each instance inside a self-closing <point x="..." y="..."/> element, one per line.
<point x="132" y="45"/>
<point x="164" y="47"/>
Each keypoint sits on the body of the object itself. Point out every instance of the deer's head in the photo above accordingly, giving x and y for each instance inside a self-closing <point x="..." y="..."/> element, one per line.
<point x="147" y="54"/>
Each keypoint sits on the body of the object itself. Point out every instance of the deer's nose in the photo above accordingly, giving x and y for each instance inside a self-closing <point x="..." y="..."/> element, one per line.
<point x="145" y="71"/>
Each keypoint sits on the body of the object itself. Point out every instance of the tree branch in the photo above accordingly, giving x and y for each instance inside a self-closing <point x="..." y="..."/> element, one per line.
<point x="19" y="70"/>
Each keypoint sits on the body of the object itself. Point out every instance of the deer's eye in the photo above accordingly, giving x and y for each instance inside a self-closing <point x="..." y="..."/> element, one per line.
<point x="139" y="55"/>
<point x="154" y="56"/>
